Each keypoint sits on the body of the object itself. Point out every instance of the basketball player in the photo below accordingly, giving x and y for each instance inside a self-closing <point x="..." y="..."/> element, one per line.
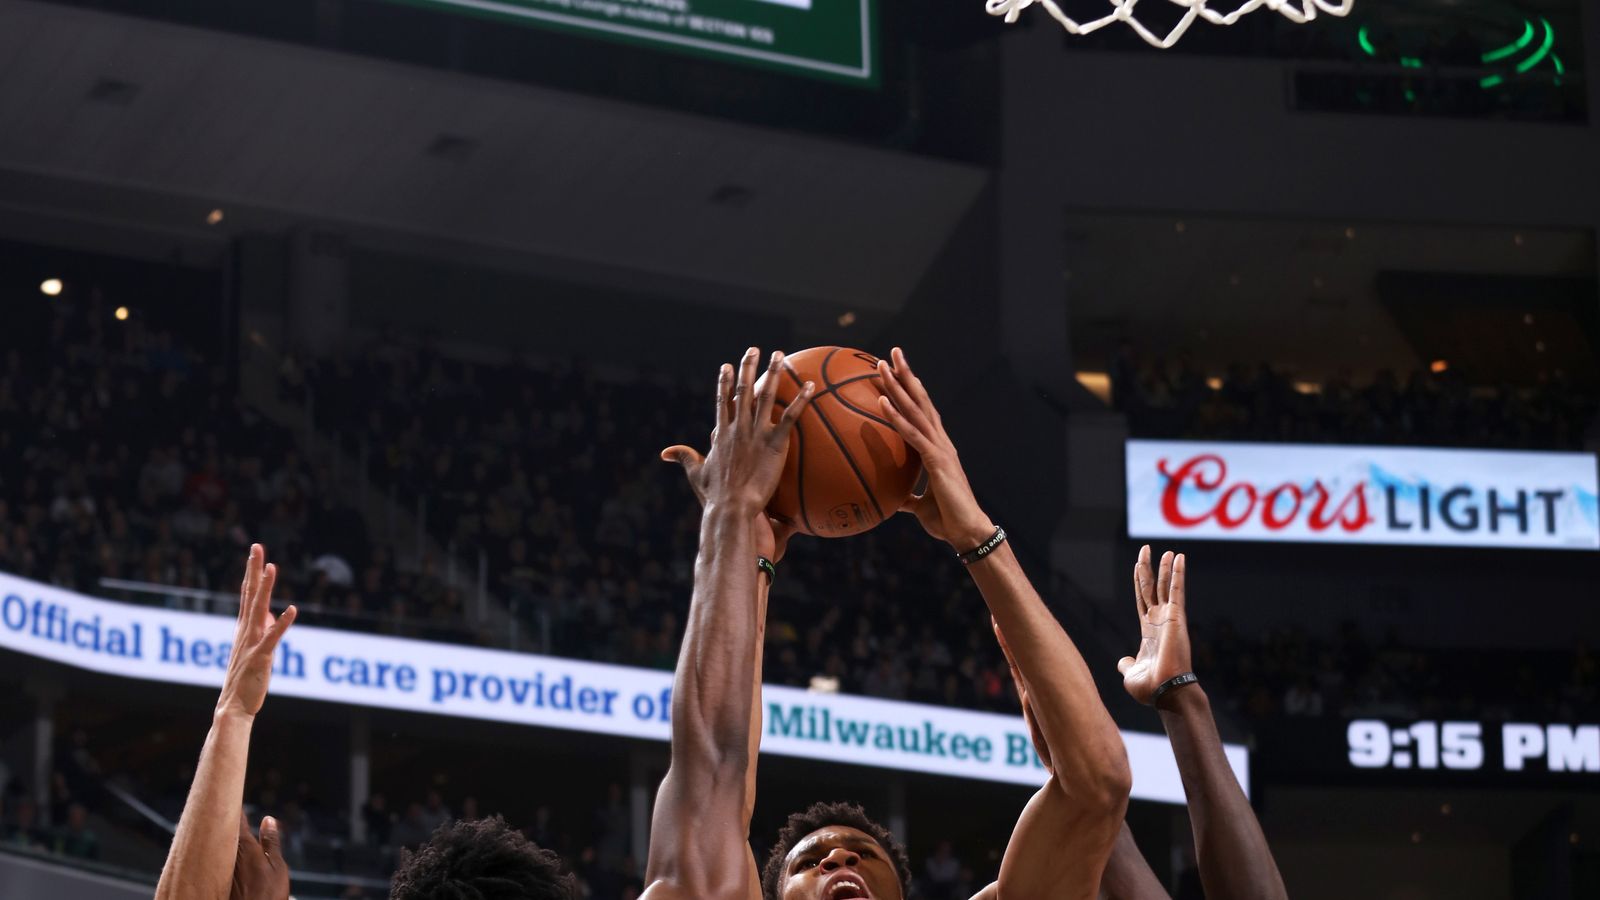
<point x="212" y="834"/>
<point x="700" y="830"/>
<point x="834" y="851"/>
<point x="1234" y="858"/>
<point x="209" y="859"/>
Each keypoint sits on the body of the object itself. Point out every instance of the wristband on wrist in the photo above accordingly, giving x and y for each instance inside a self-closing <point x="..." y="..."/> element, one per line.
<point x="983" y="549"/>
<point x="1172" y="684"/>
<point x="765" y="565"/>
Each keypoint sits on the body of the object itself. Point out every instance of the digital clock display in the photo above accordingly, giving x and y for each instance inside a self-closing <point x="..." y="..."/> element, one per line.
<point x="1375" y="744"/>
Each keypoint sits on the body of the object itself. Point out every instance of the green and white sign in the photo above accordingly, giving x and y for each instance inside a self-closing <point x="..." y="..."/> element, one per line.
<point x="834" y="39"/>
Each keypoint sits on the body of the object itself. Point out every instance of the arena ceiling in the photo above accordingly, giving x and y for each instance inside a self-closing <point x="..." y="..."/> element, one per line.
<point x="122" y="134"/>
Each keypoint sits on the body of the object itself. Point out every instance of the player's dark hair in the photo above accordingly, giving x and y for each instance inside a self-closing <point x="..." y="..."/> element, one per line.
<point x="484" y="859"/>
<point x="822" y="815"/>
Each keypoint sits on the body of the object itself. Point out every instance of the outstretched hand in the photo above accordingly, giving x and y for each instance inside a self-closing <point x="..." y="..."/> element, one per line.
<point x="948" y="510"/>
<point x="771" y="536"/>
<point x="244" y="687"/>
<point x="748" y="449"/>
<point x="1163" y="626"/>
<point x="259" y="871"/>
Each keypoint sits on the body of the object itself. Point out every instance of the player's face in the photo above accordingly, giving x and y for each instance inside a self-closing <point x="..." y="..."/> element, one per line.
<point x="838" y="863"/>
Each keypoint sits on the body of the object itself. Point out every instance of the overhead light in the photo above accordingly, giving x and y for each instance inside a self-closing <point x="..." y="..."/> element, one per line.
<point x="1436" y="367"/>
<point x="1350" y="233"/>
<point x="1180" y="227"/>
<point x="1445" y="810"/>
<point x="1096" y="383"/>
<point x="1214" y="383"/>
<point x="214" y="217"/>
<point x="1308" y="387"/>
<point x="50" y="287"/>
<point x="847" y="319"/>
<point x="121" y="314"/>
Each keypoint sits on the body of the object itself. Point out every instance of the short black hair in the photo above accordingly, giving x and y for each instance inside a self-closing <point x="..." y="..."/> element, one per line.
<point x="484" y="859"/>
<point x="822" y="815"/>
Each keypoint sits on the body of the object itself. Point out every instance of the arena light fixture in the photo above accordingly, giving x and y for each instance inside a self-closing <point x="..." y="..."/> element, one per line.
<point x="51" y="287"/>
<point x="214" y="217"/>
<point x="122" y="314"/>
<point x="1439" y="366"/>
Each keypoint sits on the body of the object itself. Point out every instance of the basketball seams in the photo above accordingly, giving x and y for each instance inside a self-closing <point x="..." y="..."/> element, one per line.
<point x="832" y="387"/>
<point x="833" y="433"/>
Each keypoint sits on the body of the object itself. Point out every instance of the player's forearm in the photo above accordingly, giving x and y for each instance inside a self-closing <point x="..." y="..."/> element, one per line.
<point x="711" y="699"/>
<point x="754" y="741"/>
<point x="1128" y="876"/>
<point x="200" y="864"/>
<point x="1234" y="858"/>
<point x="1091" y="763"/>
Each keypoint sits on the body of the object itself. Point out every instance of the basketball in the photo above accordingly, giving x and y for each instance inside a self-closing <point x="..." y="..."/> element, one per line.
<point x="847" y="469"/>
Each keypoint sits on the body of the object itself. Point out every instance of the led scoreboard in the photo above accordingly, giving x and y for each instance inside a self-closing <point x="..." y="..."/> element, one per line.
<point x="832" y="39"/>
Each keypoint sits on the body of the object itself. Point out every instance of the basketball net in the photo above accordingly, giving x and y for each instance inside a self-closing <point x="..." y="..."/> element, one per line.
<point x="1297" y="11"/>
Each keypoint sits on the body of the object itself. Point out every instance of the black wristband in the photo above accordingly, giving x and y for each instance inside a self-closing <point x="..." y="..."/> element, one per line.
<point x="1172" y="684"/>
<point x="765" y="565"/>
<point x="983" y="549"/>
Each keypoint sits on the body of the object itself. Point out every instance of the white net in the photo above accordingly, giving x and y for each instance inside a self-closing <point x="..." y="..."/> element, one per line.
<point x="1298" y="11"/>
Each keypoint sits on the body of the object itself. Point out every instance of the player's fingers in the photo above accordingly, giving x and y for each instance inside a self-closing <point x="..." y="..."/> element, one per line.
<point x="1164" y="578"/>
<point x="724" y="396"/>
<point x="895" y="390"/>
<point x="791" y="413"/>
<point x="263" y="599"/>
<point x="247" y="587"/>
<point x="908" y="432"/>
<point x="270" y="642"/>
<point x="743" y="410"/>
<point x="768" y="394"/>
<point x="914" y="384"/>
<point x="1143" y="583"/>
<point x="271" y="841"/>
<point x="1124" y="664"/>
<point x="1177" y="595"/>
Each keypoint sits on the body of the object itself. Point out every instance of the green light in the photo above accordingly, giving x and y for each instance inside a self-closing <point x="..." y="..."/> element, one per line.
<point x="1411" y="96"/>
<point x="1491" y="81"/>
<point x="1366" y="42"/>
<point x="1512" y="49"/>
<point x="1543" y="51"/>
<point x="1560" y="69"/>
<point x="1411" y="62"/>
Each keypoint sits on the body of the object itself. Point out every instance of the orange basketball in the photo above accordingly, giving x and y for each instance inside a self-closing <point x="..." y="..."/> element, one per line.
<point x="847" y="469"/>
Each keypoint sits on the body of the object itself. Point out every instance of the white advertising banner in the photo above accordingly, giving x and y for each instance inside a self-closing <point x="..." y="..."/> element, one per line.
<point x="445" y="679"/>
<point x="1362" y="495"/>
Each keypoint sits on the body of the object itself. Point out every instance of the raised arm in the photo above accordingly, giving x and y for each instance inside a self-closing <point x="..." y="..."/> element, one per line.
<point x="700" y="830"/>
<point x="1235" y="861"/>
<point x="771" y="539"/>
<point x="1127" y="876"/>
<point x="200" y="865"/>
<point x="1060" y="845"/>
